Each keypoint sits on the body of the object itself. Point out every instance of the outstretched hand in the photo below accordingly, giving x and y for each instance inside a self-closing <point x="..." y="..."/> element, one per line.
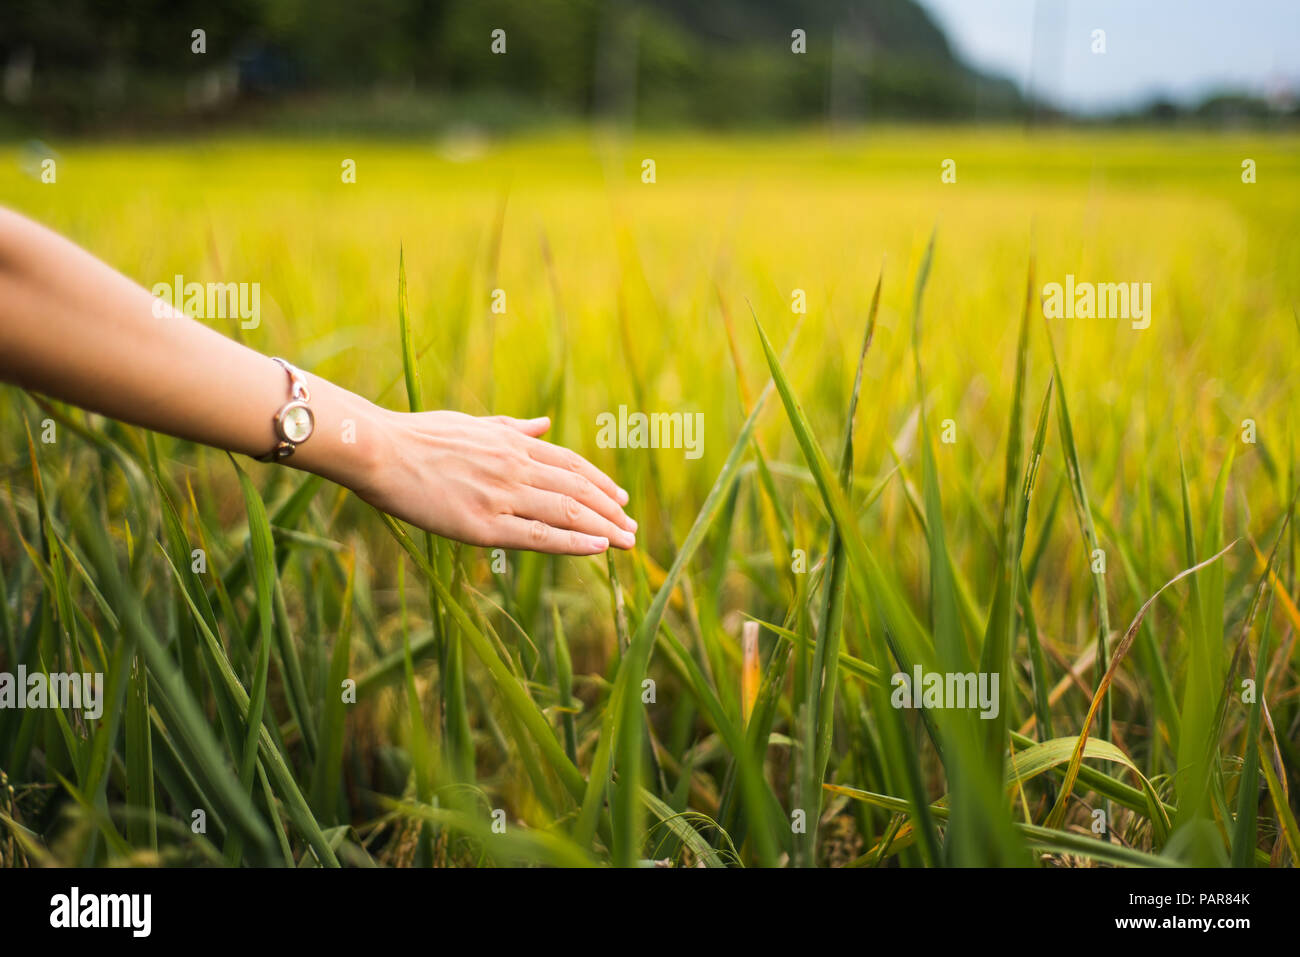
<point x="492" y="481"/>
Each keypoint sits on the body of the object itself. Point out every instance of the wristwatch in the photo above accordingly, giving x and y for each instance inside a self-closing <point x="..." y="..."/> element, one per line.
<point x="294" y="422"/>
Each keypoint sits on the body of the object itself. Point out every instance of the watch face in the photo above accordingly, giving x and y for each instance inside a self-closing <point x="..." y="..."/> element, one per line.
<point x="297" y="423"/>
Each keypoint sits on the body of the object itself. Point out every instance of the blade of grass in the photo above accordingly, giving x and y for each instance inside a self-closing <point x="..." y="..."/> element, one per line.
<point x="1057" y="815"/>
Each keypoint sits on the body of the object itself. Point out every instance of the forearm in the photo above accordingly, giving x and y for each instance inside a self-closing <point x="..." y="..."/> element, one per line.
<point x="73" y="328"/>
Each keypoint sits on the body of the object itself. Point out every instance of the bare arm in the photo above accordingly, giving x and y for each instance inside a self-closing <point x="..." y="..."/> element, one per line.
<point x="73" y="328"/>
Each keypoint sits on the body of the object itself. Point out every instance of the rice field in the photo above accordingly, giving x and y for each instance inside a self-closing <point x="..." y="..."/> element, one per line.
<point x="901" y="467"/>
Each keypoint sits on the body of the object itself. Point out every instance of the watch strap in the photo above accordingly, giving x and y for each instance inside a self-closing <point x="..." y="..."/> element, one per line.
<point x="298" y="393"/>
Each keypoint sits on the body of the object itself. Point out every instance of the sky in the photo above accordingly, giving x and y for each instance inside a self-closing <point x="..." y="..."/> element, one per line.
<point x="1175" y="49"/>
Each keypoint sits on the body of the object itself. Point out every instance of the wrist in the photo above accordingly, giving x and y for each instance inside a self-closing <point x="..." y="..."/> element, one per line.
<point x="346" y="446"/>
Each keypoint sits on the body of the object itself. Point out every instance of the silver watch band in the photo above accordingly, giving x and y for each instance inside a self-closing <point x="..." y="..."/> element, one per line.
<point x="299" y="394"/>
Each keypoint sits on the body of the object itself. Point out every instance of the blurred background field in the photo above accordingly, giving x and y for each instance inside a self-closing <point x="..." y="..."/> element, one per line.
<point x="732" y="219"/>
<point x="623" y="292"/>
<point x="609" y="277"/>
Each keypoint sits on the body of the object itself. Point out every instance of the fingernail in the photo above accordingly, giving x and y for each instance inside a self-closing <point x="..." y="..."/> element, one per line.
<point x="623" y="496"/>
<point x="599" y="543"/>
<point x="631" y="523"/>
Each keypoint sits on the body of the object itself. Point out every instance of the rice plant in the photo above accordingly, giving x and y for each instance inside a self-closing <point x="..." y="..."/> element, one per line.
<point x="921" y="475"/>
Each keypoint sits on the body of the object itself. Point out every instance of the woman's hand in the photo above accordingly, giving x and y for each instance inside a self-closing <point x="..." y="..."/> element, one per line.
<point x="73" y="328"/>
<point x="492" y="482"/>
